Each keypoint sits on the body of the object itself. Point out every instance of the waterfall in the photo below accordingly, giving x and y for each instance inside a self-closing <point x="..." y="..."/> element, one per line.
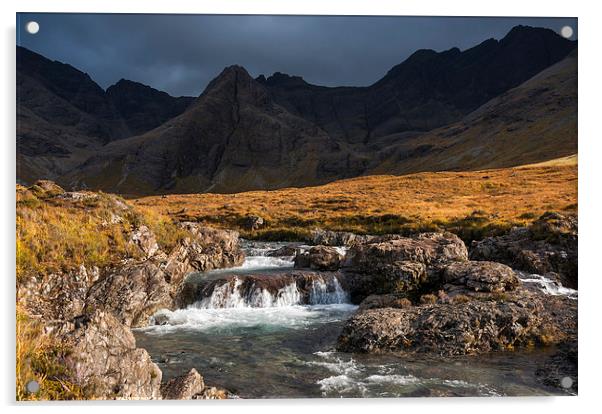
<point x="322" y="292"/>
<point x="235" y="293"/>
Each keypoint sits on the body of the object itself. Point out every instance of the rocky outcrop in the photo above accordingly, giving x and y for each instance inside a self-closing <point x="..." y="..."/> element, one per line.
<point x="185" y="387"/>
<point x="548" y="245"/>
<point x="284" y="251"/>
<point x="479" y="277"/>
<point x="103" y="359"/>
<point x="132" y="293"/>
<point x="57" y="296"/>
<point x="471" y="327"/>
<point x="319" y="258"/>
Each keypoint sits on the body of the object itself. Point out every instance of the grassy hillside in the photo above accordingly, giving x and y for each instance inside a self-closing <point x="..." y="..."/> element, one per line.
<point x="471" y="204"/>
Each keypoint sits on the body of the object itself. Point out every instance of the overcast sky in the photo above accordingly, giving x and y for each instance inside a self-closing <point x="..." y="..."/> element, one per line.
<point x="180" y="54"/>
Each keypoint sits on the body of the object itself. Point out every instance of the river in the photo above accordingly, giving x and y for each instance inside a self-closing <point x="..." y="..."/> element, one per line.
<point x="260" y="345"/>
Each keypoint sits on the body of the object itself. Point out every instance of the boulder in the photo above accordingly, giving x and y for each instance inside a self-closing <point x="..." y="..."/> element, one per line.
<point x="396" y="264"/>
<point x="184" y="387"/>
<point x="435" y="250"/>
<point x="284" y="251"/>
<point x="319" y="258"/>
<point x="211" y="248"/>
<point x="132" y="293"/>
<point x="548" y="245"/>
<point x="471" y="327"/>
<point x="338" y="238"/>
<point x="103" y="359"/>
<point x="253" y="223"/>
<point x="46" y="189"/>
<point x="479" y="277"/>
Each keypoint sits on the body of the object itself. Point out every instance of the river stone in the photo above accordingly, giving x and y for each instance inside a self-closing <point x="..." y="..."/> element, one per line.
<point x="548" y="245"/>
<point x="479" y="277"/>
<point x="184" y="387"/>
<point x="319" y="258"/>
<point x="473" y="327"/>
<point x="338" y="238"/>
<point x="432" y="249"/>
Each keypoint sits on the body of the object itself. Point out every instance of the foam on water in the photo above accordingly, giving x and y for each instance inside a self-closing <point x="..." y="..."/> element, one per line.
<point x="548" y="286"/>
<point x="296" y="317"/>
<point x="353" y="378"/>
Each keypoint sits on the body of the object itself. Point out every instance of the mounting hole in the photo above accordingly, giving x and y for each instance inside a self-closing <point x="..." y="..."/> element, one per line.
<point x="566" y="32"/>
<point x="566" y="382"/>
<point x="32" y="387"/>
<point x="32" y="27"/>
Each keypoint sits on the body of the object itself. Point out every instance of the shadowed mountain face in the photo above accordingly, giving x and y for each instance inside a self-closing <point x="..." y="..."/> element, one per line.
<point x="63" y="116"/>
<point x="448" y="110"/>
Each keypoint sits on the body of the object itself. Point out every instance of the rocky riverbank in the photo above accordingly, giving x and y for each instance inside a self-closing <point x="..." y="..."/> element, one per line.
<point x="427" y="293"/>
<point x="88" y="312"/>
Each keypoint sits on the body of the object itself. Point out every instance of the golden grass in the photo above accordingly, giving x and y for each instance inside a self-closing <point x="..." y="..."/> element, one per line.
<point x="38" y="359"/>
<point x="472" y="204"/>
<point x="60" y="234"/>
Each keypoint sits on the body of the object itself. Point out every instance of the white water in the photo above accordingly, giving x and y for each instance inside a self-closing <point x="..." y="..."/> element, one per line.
<point x="350" y="376"/>
<point x="548" y="286"/>
<point x="295" y="317"/>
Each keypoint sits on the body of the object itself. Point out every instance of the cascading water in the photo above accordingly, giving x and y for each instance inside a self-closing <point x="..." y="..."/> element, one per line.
<point x="264" y="330"/>
<point x="235" y="294"/>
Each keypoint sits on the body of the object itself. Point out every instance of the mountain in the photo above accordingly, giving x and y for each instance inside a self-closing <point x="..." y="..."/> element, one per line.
<point x="143" y="108"/>
<point x="533" y="122"/>
<point x="426" y="91"/>
<point x="491" y="105"/>
<point x="63" y="116"/>
<point x="232" y="138"/>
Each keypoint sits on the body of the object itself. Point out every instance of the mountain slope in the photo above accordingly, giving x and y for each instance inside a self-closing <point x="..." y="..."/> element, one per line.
<point x="64" y="117"/>
<point x="143" y="108"/>
<point x="533" y="122"/>
<point x="426" y="91"/>
<point x="233" y="137"/>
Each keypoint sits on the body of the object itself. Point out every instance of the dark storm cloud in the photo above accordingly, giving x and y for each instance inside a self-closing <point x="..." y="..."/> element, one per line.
<point x="182" y="53"/>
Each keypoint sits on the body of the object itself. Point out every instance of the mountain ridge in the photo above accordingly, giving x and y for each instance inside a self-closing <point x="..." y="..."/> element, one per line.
<point x="265" y="133"/>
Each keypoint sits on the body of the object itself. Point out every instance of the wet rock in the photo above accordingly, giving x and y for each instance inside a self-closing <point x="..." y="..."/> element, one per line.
<point x="548" y="245"/>
<point x="470" y="327"/>
<point x="132" y="293"/>
<point x="253" y="223"/>
<point x="284" y="251"/>
<point x="257" y="290"/>
<point x="319" y="258"/>
<point x="479" y="277"/>
<point x="338" y="238"/>
<point x="184" y="387"/>
<point x="103" y="358"/>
